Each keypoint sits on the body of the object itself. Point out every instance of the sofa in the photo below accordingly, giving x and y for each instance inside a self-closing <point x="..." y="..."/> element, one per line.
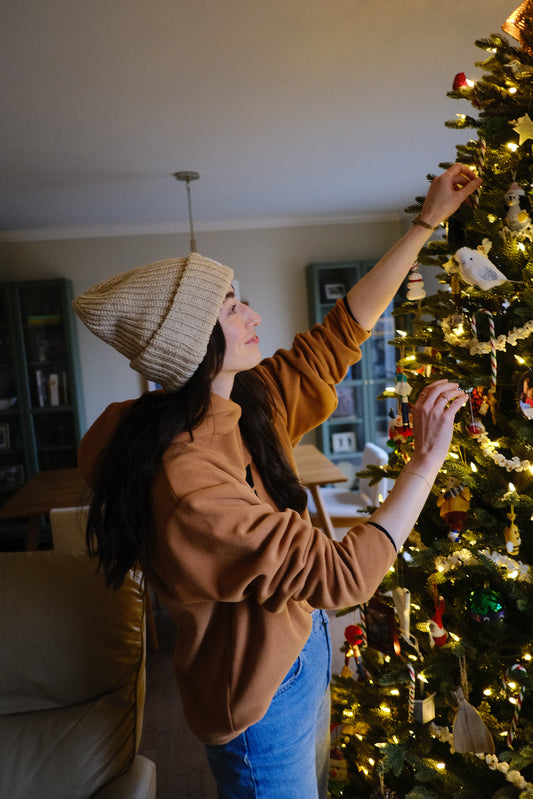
<point x="72" y="681"/>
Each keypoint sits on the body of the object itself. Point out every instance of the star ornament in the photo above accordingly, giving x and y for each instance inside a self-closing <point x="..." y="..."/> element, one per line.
<point x="524" y="128"/>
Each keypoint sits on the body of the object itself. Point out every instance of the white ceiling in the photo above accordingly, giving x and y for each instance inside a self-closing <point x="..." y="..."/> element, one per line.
<point x="291" y="110"/>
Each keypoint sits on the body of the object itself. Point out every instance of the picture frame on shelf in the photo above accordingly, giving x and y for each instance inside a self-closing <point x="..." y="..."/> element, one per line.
<point x="11" y="475"/>
<point x="5" y="441"/>
<point x="343" y="442"/>
<point x="346" y="401"/>
<point x="334" y="291"/>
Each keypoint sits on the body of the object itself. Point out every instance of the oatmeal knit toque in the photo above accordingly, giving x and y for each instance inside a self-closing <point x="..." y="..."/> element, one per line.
<point x="160" y="316"/>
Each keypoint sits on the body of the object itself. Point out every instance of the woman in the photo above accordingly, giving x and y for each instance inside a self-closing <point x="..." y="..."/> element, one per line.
<point x="197" y="485"/>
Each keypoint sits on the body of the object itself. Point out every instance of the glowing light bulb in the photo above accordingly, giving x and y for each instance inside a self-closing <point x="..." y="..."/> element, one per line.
<point x="440" y="766"/>
<point x="513" y="575"/>
<point x="521" y="246"/>
<point x="488" y="691"/>
<point x="473" y="466"/>
<point x="527" y="656"/>
<point x="401" y="333"/>
<point x="384" y="709"/>
<point x="513" y="90"/>
<point x="394" y="692"/>
<point x="512" y="146"/>
<point x="454" y="455"/>
<point x="519" y="359"/>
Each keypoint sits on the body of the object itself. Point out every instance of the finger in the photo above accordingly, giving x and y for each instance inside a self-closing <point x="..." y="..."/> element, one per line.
<point x="437" y="388"/>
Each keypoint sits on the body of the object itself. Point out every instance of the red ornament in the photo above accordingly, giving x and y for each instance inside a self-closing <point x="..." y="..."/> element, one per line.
<point x="354" y="635"/>
<point x="438" y="635"/>
<point x="459" y="82"/>
<point x="474" y="429"/>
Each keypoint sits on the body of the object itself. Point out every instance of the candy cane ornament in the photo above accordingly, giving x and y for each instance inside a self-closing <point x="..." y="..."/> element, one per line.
<point x="519" y="701"/>
<point x="492" y="337"/>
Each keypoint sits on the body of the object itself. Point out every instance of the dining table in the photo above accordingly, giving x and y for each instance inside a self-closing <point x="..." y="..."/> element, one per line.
<point x="54" y="488"/>
<point x="315" y="470"/>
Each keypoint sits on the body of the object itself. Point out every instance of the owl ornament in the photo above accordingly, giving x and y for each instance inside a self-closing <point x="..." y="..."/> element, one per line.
<point x="476" y="269"/>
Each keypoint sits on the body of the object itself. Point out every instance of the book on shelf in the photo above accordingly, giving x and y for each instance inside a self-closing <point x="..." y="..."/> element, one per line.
<point x="53" y="388"/>
<point x="42" y="389"/>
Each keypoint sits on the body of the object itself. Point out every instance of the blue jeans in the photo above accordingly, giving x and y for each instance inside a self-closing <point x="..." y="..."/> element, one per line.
<point x="285" y="754"/>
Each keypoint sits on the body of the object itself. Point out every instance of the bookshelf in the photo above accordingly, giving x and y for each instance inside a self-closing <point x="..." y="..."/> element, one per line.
<point x="41" y="402"/>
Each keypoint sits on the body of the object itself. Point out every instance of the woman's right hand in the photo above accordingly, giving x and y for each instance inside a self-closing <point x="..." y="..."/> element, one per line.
<point x="447" y="191"/>
<point x="433" y="419"/>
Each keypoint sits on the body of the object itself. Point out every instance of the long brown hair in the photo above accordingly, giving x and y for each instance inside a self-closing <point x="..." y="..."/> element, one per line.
<point x="120" y="517"/>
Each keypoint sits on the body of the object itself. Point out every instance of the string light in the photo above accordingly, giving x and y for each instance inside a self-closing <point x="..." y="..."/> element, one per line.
<point x="512" y="146"/>
<point x="473" y="466"/>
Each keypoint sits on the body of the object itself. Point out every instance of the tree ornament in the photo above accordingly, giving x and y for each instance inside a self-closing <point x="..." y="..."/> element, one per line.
<point x="525" y="394"/>
<point x="475" y="428"/>
<point x="517" y="218"/>
<point x="454" y="503"/>
<point x="470" y="734"/>
<point x="338" y="766"/>
<point x="508" y="683"/>
<point x="354" y="638"/>
<point x="383" y="792"/>
<point x="524" y="127"/>
<point x="477" y="270"/>
<point x="459" y="81"/>
<point x="415" y="284"/>
<point x="403" y="389"/>
<point x="519" y="25"/>
<point x="379" y="620"/>
<point x="512" y="534"/>
<point x="485" y="605"/>
<point x="437" y="634"/>
<point x="492" y="337"/>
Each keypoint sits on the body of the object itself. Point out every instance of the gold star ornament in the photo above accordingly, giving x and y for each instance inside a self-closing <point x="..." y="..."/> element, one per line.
<point x="524" y="128"/>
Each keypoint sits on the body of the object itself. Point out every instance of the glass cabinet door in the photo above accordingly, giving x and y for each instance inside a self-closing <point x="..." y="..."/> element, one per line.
<point x="360" y="416"/>
<point x="45" y="341"/>
<point x="12" y="455"/>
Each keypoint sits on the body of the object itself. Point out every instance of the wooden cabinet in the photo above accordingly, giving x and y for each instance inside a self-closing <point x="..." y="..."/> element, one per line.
<point x="360" y="415"/>
<point x="41" y="408"/>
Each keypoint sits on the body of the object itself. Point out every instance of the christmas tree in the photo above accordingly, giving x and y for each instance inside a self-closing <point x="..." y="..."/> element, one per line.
<point x="436" y="698"/>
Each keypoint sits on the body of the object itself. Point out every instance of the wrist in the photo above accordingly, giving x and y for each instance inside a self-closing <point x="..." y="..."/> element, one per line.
<point x="427" y="225"/>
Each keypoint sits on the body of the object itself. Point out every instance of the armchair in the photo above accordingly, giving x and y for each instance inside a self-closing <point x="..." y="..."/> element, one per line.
<point x="72" y="681"/>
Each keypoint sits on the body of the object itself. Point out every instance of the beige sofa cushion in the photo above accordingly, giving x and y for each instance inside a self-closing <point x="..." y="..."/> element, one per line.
<point x="72" y="678"/>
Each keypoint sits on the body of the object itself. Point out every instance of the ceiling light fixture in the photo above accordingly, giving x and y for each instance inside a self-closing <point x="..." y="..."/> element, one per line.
<point x="186" y="177"/>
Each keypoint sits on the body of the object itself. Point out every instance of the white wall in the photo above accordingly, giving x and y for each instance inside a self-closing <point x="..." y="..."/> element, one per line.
<point x="269" y="263"/>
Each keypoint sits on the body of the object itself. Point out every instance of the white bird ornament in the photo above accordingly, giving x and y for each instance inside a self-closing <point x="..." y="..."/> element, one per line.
<point x="477" y="270"/>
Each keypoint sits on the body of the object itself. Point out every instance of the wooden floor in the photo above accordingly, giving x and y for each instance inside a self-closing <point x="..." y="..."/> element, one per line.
<point x="182" y="769"/>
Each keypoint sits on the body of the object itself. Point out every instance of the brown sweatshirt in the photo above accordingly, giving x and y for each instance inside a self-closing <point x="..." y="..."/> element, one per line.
<point x="240" y="576"/>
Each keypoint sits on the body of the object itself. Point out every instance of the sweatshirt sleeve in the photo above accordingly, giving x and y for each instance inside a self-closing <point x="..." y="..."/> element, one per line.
<point x="302" y="380"/>
<point x="219" y="542"/>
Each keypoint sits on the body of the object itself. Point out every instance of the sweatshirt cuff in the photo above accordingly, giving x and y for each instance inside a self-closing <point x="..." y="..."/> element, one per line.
<point x="385" y="532"/>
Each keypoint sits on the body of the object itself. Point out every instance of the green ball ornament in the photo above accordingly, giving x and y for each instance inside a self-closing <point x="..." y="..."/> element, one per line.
<point x="485" y="605"/>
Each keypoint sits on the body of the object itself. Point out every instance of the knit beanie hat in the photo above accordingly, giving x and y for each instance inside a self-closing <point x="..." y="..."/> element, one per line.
<point x="160" y="316"/>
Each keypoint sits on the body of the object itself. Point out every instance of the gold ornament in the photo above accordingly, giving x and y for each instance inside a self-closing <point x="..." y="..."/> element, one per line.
<point x="524" y="128"/>
<point x="520" y="26"/>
